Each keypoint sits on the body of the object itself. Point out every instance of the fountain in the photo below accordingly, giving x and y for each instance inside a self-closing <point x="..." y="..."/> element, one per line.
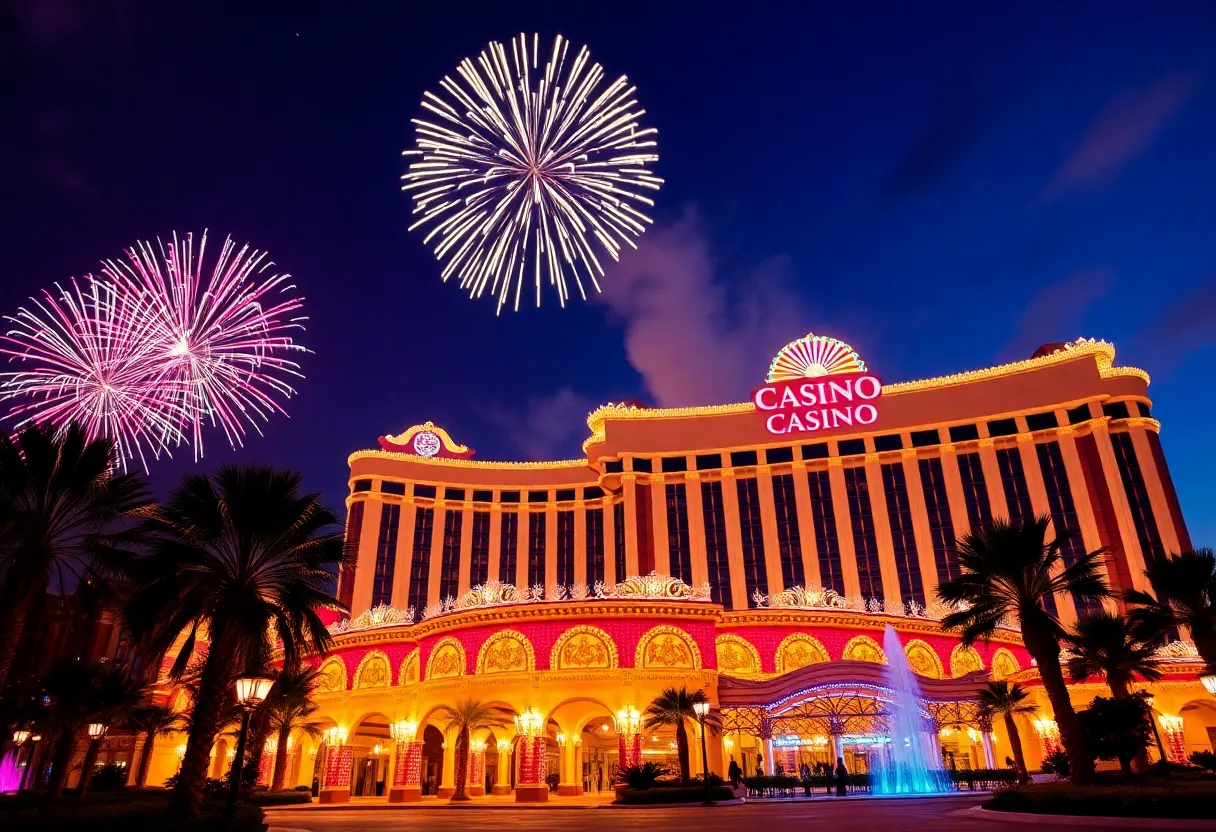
<point x="910" y="762"/>
<point x="10" y="773"/>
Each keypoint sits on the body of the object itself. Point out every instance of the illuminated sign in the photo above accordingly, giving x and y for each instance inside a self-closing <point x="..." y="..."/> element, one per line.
<point x="817" y="383"/>
<point x="427" y="440"/>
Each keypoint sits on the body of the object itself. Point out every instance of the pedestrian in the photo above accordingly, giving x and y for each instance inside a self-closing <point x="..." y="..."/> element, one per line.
<point x="829" y="776"/>
<point x="842" y="777"/>
<point x="759" y="766"/>
<point x="804" y="774"/>
<point x="734" y="773"/>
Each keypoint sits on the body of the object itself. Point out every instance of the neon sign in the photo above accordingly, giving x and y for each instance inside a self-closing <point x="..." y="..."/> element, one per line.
<point x="817" y="383"/>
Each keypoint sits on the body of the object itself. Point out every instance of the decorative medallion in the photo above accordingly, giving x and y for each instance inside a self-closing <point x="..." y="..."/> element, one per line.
<point x="426" y="440"/>
<point x="1004" y="664"/>
<point x="964" y="660"/>
<point x="374" y="671"/>
<point x="583" y="648"/>
<point x="447" y="659"/>
<point x="737" y="656"/>
<point x="923" y="659"/>
<point x="332" y="676"/>
<point x="799" y="650"/>
<point x="667" y="647"/>
<point x="408" y="675"/>
<point x="506" y="652"/>
<point x="864" y="649"/>
<point x="814" y="356"/>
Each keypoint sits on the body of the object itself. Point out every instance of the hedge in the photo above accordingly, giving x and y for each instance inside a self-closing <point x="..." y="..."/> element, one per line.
<point x="671" y="794"/>
<point x="984" y="779"/>
<point x="288" y="797"/>
<point x="1190" y="800"/>
<point x="125" y="816"/>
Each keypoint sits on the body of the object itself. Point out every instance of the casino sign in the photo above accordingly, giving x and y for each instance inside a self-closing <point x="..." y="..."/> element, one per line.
<point x="426" y="440"/>
<point x="817" y="383"/>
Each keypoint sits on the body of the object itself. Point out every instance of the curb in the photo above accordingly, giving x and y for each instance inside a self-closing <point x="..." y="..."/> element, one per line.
<point x="981" y="813"/>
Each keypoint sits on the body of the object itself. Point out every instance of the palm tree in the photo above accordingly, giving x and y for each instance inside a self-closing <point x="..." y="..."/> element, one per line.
<point x="467" y="716"/>
<point x="1104" y="644"/>
<point x="1007" y="569"/>
<point x="153" y="720"/>
<point x="290" y="704"/>
<point x="233" y="556"/>
<point x="1186" y="597"/>
<point x="674" y="707"/>
<point x="114" y="695"/>
<point x="64" y="514"/>
<point x="1005" y="699"/>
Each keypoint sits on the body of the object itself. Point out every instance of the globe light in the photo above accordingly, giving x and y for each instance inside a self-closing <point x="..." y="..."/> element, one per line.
<point x="504" y="745"/>
<point x="561" y="739"/>
<point x="20" y="736"/>
<point x="251" y="691"/>
<point x="1209" y="682"/>
<point x="96" y="729"/>
<point x="628" y="720"/>
<point x="701" y="708"/>
<point x="404" y="730"/>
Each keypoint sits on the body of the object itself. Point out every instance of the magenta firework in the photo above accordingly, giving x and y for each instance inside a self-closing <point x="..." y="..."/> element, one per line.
<point x="195" y="345"/>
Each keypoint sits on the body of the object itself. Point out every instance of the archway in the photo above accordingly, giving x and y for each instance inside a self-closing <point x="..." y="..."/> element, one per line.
<point x="371" y="743"/>
<point x="432" y="759"/>
<point x="1198" y="727"/>
<point x="590" y="754"/>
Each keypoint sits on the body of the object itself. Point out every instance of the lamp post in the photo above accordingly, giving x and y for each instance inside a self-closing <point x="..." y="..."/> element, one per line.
<point x="1147" y="698"/>
<point x="20" y="738"/>
<point x="251" y="691"/>
<point x="702" y="711"/>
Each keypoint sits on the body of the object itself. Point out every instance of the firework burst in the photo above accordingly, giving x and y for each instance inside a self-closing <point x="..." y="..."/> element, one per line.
<point x="86" y="366"/>
<point x="219" y="344"/>
<point x="527" y="172"/>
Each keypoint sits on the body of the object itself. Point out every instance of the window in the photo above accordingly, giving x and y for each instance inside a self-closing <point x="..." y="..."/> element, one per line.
<point x="964" y="433"/>
<point x="354" y="530"/>
<point x="643" y="465"/>
<point x="819" y="451"/>
<point x="1042" y="421"/>
<point x="618" y="540"/>
<point x="673" y="464"/>
<point x="851" y="447"/>
<point x="679" y="549"/>
<point x="941" y="525"/>
<point x="538" y="496"/>
<point x="1013" y="480"/>
<point x="479" y="563"/>
<point x="743" y="459"/>
<point x="509" y="497"/>
<point x="453" y="493"/>
<point x="1137" y="496"/>
<point x="1063" y="512"/>
<point x="449" y="571"/>
<point x="716" y="556"/>
<point x="1116" y="410"/>
<point x="614" y="466"/>
<point x="421" y="490"/>
<point x="508" y="547"/>
<point x="903" y="538"/>
<point x="565" y="495"/>
<point x="975" y="493"/>
<point x="774" y="456"/>
<point x="387" y="487"/>
<point x="536" y="549"/>
<point x="483" y="496"/>
<point x="789" y="542"/>
<point x="865" y="545"/>
<point x="1079" y="414"/>
<point x="595" y="546"/>
<point x="751" y="530"/>
<point x="826" y="540"/>
<point x="565" y="548"/>
<point x="386" y="554"/>
<point x="593" y="492"/>
<point x="708" y="461"/>
<point x="1003" y="427"/>
<point x="361" y="485"/>
<point x="1144" y="409"/>
<point x="420" y="562"/>
<point x="889" y="442"/>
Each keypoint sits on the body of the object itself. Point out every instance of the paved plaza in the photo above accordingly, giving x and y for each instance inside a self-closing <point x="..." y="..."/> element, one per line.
<point x="939" y="814"/>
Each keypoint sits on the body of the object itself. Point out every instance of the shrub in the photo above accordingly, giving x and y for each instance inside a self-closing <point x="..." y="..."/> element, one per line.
<point x="1195" y="800"/>
<point x="108" y="778"/>
<point x="671" y="794"/>
<point x="642" y="776"/>
<point x="287" y="797"/>
<point x="714" y="780"/>
<point x="1115" y="729"/>
<point x="303" y="789"/>
<point x="1204" y="759"/>
<point x="1056" y="763"/>
<point x="122" y="815"/>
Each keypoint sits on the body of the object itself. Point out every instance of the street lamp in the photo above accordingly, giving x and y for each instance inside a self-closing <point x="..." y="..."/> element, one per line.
<point x="702" y="711"/>
<point x="20" y="738"/>
<point x="251" y="691"/>
<point x="1147" y="698"/>
<point x="1209" y="682"/>
<point x="96" y="729"/>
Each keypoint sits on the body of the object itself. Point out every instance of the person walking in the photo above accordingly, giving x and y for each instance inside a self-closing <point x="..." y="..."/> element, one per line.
<point x="829" y="776"/>
<point x="804" y="774"/>
<point x="734" y="773"/>
<point x="842" y="777"/>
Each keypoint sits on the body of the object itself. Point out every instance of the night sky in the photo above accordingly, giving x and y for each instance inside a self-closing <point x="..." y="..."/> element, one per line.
<point x="943" y="187"/>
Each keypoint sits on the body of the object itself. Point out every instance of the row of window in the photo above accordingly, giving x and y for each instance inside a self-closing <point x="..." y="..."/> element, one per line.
<point x="745" y="492"/>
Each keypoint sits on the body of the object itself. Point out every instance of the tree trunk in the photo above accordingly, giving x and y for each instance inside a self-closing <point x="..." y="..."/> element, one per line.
<point x="12" y="623"/>
<point x="187" y="799"/>
<point x="1015" y="742"/>
<point x="145" y="760"/>
<point x="65" y="749"/>
<point x="462" y="764"/>
<point x="1046" y="652"/>
<point x="682" y="753"/>
<point x="259" y="732"/>
<point x="280" y="758"/>
<point x="86" y="769"/>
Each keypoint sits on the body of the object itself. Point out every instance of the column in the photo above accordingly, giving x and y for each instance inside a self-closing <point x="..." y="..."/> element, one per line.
<point x="1065" y="606"/>
<point x="436" y="556"/>
<point x="696" y="527"/>
<point x="466" y="549"/>
<point x="882" y="533"/>
<point x="407" y="773"/>
<point x="806" y="526"/>
<point x="954" y="491"/>
<point x="502" y="783"/>
<point x="1090" y="537"/>
<point x="986" y="738"/>
<point x="476" y="778"/>
<point x="1172" y="738"/>
<point x="658" y="512"/>
<point x="495" y="560"/>
<point x="550" y="545"/>
<point x="1162" y="514"/>
<point x="768" y="525"/>
<point x="405" y="549"/>
<point x="521" y="548"/>
<point x="365" y="563"/>
<point x="610" y="576"/>
<point x="717" y="759"/>
<point x="335" y="785"/>
<point x="571" y="783"/>
<point x="734" y="540"/>
<point x="1123" y="512"/>
<point x="844" y="528"/>
<point x="769" y="768"/>
<point x="920" y="524"/>
<point x="629" y="485"/>
<point x="580" y="544"/>
<point x="447" y="778"/>
<point x="530" y="786"/>
<point x="992" y="477"/>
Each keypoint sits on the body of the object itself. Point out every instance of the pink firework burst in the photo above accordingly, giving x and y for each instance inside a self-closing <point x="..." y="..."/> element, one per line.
<point x="218" y="344"/>
<point x="84" y="364"/>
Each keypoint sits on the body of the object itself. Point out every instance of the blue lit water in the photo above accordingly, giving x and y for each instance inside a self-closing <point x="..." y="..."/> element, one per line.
<point x="910" y="762"/>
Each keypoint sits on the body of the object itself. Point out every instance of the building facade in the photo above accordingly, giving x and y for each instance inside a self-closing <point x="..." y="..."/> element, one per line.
<point x="767" y="552"/>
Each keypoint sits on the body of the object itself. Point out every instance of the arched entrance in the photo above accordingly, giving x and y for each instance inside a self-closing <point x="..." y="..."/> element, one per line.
<point x="371" y="743"/>
<point x="432" y="760"/>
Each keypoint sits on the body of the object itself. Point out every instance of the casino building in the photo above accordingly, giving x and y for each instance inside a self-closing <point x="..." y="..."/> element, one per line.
<point x="757" y="550"/>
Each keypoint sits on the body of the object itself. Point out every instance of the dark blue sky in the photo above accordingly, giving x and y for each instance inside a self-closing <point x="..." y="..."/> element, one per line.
<point x="942" y="186"/>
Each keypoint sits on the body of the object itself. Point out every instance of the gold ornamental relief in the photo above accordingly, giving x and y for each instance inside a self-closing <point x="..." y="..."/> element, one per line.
<point x="923" y="659"/>
<point x="964" y="660"/>
<point x="737" y="656"/>
<point x="504" y="656"/>
<point x="584" y="651"/>
<point x="864" y="649"/>
<point x="332" y="676"/>
<point x="447" y="659"/>
<point x="374" y="671"/>
<point x="1004" y="664"/>
<point x="667" y="651"/>
<point x="799" y="650"/>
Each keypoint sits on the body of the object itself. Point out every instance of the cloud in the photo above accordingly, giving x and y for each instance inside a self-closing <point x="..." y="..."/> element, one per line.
<point x="693" y="336"/>
<point x="546" y="427"/>
<point x="939" y="148"/>
<point x="1124" y="129"/>
<point x="1181" y="327"/>
<point x="1056" y="312"/>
